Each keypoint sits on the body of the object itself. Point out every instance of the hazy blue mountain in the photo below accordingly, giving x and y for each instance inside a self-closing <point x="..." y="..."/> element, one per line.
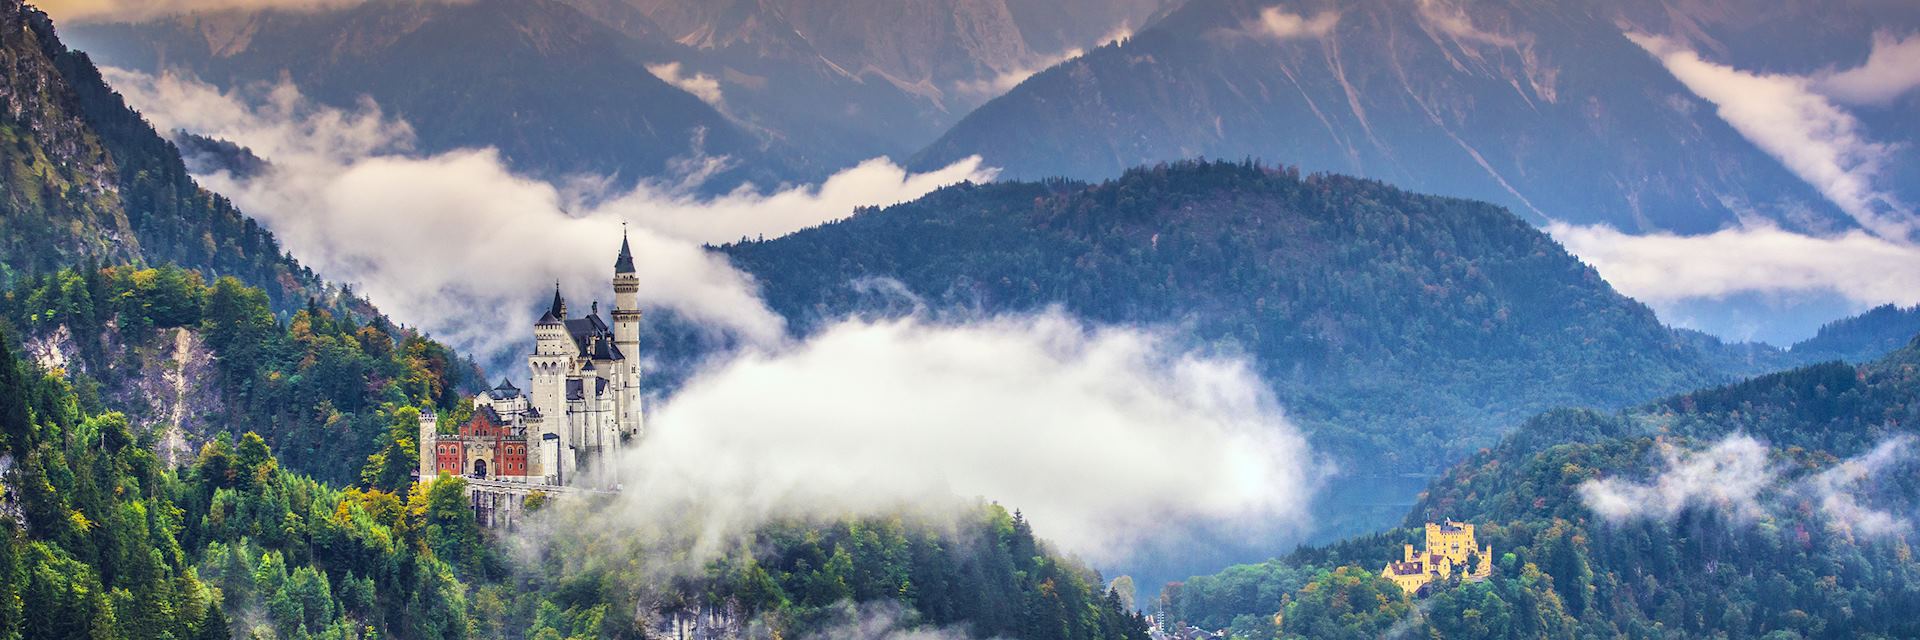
<point x="1546" y="108"/>
<point x="558" y="92"/>
<point x="788" y="90"/>
<point x="1403" y="331"/>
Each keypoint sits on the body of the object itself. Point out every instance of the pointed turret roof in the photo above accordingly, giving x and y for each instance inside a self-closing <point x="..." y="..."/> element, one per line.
<point x="624" y="264"/>
<point x="558" y="310"/>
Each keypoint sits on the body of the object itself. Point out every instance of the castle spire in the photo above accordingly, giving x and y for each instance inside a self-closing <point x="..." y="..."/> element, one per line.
<point x="559" y="308"/>
<point x="625" y="263"/>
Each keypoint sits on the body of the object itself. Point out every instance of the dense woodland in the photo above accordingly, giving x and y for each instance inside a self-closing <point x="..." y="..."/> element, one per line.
<point x="1792" y="572"/>
<point x="99" y="540"/>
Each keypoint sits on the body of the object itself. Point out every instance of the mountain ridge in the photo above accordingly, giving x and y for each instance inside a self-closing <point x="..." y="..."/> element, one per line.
<point x="1485" y="113"/>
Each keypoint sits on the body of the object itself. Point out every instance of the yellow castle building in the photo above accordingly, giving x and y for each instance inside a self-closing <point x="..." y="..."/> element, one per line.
<point x="1450" y="545"/>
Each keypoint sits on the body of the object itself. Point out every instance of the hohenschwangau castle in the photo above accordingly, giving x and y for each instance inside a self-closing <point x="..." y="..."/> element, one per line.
<point x="584" y="404"/>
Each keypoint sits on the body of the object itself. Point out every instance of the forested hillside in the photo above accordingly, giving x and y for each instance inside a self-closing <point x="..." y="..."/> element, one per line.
<point x="163" y="302"/>
<point x="98" y="539"/>
<point x="1818" y="548"/>
<point x="190" y="360"/>
<point x="86" y="177"/>
<point x="1407" y="330"/>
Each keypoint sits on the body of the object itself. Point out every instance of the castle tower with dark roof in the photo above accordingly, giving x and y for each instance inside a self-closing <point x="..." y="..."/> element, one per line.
<point x="581" y="408"/>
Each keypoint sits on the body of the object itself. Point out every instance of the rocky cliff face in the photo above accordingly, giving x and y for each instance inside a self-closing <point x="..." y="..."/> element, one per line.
<point x="54" y="164"/>
<point x="704" y="622"/>
<point x="167" y="386"/>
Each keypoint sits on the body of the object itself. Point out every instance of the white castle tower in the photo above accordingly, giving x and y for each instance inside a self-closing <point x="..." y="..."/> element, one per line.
<point x="582" y="408"/>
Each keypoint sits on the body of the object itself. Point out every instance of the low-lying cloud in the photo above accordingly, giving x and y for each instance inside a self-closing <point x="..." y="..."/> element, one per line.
<point x="144" y="10"/>
<point x="1107" y="438"/>
<point x="1891" y="70"/>
<point x="1663" y="268"/>
<point x="462" y="246"/>
<point x="1736" y="476"/>
<point x="701" y="85"/>
<point x="1279" y="24"/>
<point x="1000" y="83"/>
<point x="1835" y="489"/>
<point x="1800" y="122"/>
<point x="1728" y="476"/>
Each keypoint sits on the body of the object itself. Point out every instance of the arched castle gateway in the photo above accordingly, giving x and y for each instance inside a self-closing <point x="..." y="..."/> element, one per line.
<point x="582" y="407"/>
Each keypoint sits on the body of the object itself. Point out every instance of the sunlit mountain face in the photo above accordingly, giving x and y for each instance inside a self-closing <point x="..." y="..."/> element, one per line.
<point x="926" y="319"/>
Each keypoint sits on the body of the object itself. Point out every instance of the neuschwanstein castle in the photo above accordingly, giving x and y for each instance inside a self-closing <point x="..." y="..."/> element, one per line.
<point x="584" y="404"/>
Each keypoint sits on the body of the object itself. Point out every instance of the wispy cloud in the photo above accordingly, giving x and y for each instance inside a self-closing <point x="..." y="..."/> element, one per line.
<point x="1835" y="489"/>
<point x="701" y="85"/>
<point x="1729" y="476"/>
<point x="1892" y="69"/>
<point x="1787" y="117"/>
<point x="1799" y="121"/>
<point x="1279" y="24"/>
<point x="1452" y="19"/>
<point x="459" y="244"/>
<point x="1000" y="83"/>
<point x="1110" y="437"/>
<point x="1735" y="476"/>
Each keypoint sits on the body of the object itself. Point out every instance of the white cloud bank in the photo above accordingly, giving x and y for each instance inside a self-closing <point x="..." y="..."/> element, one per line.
<point x="459" y="244"/>
<point x="144" y="10"/>
<point x="1106" y="438"/>
<point x="1662" y="268"/>
<point x="1735" y="477"/>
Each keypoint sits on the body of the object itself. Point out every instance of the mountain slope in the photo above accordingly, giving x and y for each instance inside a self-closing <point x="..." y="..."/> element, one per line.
<point x="87" y="178"/>
<point x="1546" y="108"/>
<point x="1407" y="329"/>
<point x="222" y="329"/>
<point x="1801" y="556"/>
<point x="555" y="90"/>
<point x="798" y="90"/>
